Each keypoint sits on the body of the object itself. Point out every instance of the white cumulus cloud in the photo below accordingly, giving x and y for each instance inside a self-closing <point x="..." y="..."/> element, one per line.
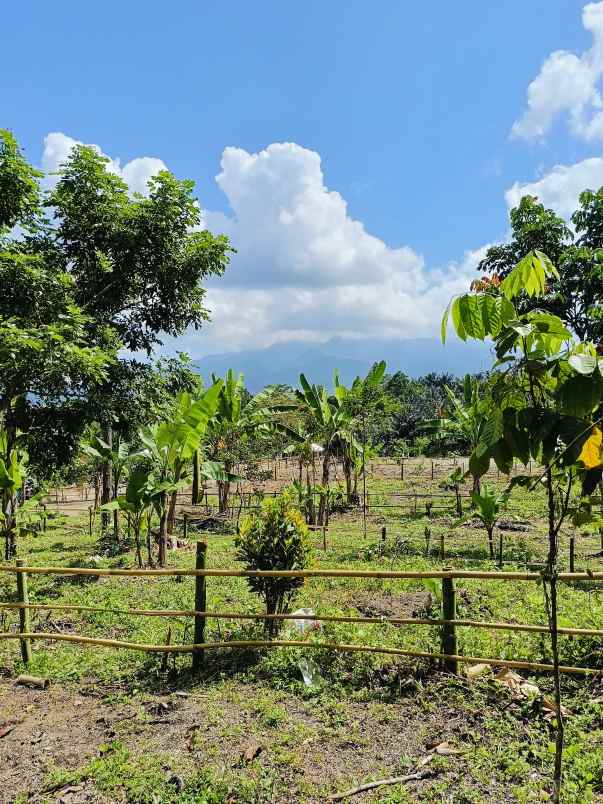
<point x="559" y="189"/>
<point x="136" y="173"/>
<point x="568" y="84"/>
<point x="307" y="270"/>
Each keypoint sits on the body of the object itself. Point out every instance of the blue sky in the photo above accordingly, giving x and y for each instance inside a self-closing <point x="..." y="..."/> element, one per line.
<point x="409" y="107"/>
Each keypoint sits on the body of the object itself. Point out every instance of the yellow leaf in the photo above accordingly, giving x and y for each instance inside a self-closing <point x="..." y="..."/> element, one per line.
<point x="592" y="451"/>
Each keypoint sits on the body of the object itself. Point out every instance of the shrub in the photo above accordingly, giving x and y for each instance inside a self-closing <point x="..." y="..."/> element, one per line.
<point x="274" y="539"/>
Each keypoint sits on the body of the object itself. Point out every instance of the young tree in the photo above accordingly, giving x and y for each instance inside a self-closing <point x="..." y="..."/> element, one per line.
<point x="330" y="425"/>
<point x="548" y="407"/>
<point x="171" y="445"/>
<point x="487" y="507"/>
<point x="464" y="421"/>
<point x="274" y="539"/>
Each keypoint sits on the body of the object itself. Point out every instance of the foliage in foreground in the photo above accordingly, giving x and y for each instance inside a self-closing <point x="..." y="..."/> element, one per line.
<point x="274" y="539"/>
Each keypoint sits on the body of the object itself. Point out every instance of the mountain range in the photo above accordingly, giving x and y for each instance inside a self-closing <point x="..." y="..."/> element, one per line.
<point x="283" y="362"/>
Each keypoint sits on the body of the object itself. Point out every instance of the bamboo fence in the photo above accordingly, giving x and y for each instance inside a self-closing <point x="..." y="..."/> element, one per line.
<point x="448" y="622"/>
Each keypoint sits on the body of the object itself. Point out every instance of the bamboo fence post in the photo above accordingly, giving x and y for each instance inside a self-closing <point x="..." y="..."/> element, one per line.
<point x="185" y="526"/>
<point x="324" y="538"/>
<point x="571" y="554"/>
<point x="383" y="533"/>
<point x="402" y="469"/>
<point x="43" y="517"/>
<point x="500" y="549"/>
<point x="442" y="546"/>
<point x="24" y="613"/>
<point x="449" y="643"/>
<point x="200" y="605"/>
<point x="432" y="470"/>
<point x="90" y="520"/>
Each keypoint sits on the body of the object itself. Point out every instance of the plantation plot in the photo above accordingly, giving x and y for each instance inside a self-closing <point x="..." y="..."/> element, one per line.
<point x="370" y="715"/>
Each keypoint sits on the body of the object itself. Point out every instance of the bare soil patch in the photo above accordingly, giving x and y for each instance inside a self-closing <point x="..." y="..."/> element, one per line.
<point x="325" y="747"/>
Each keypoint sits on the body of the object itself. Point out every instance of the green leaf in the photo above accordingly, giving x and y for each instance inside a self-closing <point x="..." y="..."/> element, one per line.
<point x="479" y="464"/>
<point x="583" y="363"/>
<point x="581" y="394"/>
<point x="529" y="275"/>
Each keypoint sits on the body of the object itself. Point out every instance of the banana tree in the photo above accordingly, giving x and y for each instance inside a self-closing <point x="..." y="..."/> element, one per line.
<point x="117" y="456"/>
<point x="452" y="482"/>
<point x="331" y="425"/>
<point x="465" y="421"/>
<point x="234" y="421"/>
<point x="171" y="445"/>
<point x="15" y="516"/>
<point x="137" y="502"/>
<point x="361" y="401"/>
<point x="487" y="507"/>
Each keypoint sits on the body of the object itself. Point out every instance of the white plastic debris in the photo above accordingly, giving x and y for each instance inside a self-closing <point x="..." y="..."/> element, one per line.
<point x="308" y="667"/>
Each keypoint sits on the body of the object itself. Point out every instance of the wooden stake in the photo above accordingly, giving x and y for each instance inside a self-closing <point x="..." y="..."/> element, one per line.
<point x="90" y="520"/>
<point x="200" y="604"/>
<point x="500" y="549"/>
<point x="185" y="526"/>
<point x="442" y="546"/>
<point x="24" y="613"/>
<point x="324" y="538"/>
<point x="383" y="533"/>
<point x="449" y="645"/>
<point x="571" y="554"/>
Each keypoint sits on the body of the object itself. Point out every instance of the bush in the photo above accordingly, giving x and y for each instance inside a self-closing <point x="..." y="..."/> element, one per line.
<point x="274" y="539"/>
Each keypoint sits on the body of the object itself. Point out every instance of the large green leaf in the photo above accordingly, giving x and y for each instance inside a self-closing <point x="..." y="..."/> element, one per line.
<point x="581" y="395"/>
<point x="529" y="275"/>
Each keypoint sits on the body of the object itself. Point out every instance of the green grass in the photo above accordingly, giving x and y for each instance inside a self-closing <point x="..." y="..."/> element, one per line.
<point x="513" y="750"/>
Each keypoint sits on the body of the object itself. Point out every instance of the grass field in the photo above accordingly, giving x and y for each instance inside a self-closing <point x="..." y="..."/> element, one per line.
<point x="127" y="726"/>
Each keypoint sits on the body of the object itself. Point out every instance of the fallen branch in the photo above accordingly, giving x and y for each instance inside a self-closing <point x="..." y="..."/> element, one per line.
<point x="370" y="785"/>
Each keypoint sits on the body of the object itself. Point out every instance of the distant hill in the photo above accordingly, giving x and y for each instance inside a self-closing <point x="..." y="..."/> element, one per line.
<point x="283" y="362"/>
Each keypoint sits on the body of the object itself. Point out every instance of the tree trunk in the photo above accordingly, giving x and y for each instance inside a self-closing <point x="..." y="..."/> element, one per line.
<point x="106" y="480"/>
<point x="137" y="523"/>
<point x="310" y="513"/>
<point x="196" y="478"/>
<point x="171" y="519"/>
<point x="150" y="561"/>
<point x="97" y="491"/>
<point x="324" y="495"/>
<point x="491" y="543"/>
<point x="552" y="616"/>
<point x="116" y="512"/>
<point x="161" y="557"/>
<point x="347" y="473"/>
<point x="10" y="541"/>
<point x="224" y="490"/>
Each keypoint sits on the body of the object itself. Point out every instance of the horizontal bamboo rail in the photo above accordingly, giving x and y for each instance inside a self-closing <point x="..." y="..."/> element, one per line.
<point x="253" y="643"/>
<point x="313" y="573"/>
<point x="328" y="618"/>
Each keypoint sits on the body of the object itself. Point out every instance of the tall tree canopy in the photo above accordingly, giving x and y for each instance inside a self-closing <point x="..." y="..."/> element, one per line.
<point x="577" y="294"/>
<point x="87" y="269"/>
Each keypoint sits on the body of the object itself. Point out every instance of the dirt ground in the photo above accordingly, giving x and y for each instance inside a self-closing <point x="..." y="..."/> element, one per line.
<point x="65" y="726"/>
